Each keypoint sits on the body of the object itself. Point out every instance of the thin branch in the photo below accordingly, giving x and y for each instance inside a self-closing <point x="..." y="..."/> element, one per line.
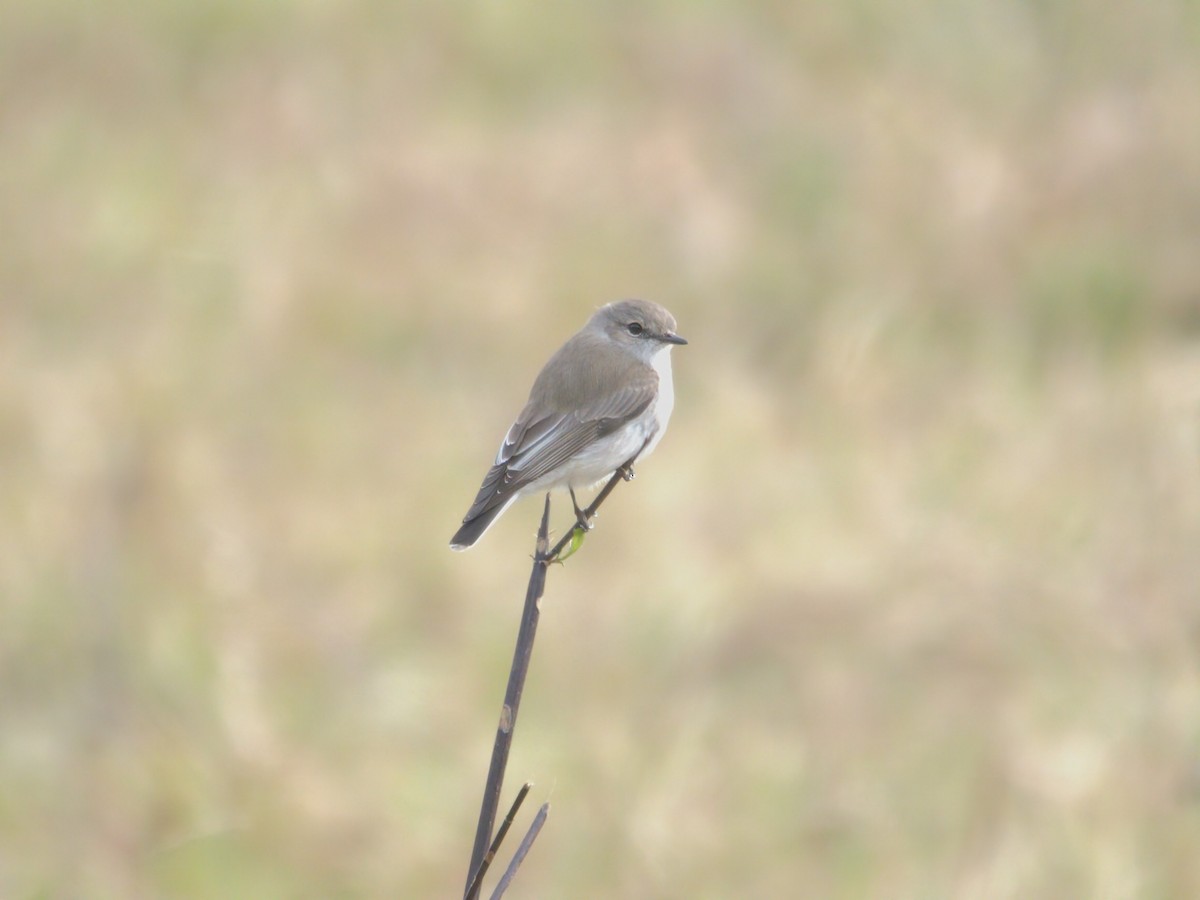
<point x="520" y="668"/>
<point x="522" y="849"/>
<point x="473" y="887"/>
<point x="512" y="699"/>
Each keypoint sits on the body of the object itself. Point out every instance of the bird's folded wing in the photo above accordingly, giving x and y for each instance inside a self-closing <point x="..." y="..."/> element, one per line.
<point x="534" y="447"/>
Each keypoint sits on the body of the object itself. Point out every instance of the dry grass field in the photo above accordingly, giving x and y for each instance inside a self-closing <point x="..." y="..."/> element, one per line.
<point x="906" y="604"/>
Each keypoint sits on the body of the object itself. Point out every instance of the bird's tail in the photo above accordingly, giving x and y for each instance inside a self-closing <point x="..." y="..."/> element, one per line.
<point x="473" y="527"/>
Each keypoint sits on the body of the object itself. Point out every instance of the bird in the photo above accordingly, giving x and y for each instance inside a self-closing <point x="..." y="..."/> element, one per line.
<point x="602" y="399"/>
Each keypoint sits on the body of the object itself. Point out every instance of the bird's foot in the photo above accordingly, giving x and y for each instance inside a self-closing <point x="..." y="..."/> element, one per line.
<point x="582" y="520"/>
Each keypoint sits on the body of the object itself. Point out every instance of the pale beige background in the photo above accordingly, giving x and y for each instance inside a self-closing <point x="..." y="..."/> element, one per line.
<point x="904" y="606"/>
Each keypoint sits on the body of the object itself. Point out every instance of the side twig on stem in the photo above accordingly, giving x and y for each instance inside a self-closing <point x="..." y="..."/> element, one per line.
<point x="473" y="887"/>
<point x="535" y="829"/>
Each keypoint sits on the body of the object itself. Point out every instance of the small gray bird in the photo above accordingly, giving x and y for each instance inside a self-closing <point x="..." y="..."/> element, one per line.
<point x="603" y="397"/>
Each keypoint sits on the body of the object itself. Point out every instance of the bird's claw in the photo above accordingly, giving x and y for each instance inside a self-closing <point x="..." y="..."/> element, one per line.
<point x="582" y="519"/>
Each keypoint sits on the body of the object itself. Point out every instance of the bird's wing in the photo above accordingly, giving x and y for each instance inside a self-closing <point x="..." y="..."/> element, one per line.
<point x="534" y="447"/>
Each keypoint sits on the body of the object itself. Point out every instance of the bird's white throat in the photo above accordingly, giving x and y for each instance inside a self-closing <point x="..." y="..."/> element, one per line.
<point x="665" y="401"/>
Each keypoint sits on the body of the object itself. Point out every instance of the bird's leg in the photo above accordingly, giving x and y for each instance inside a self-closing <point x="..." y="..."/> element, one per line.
<point x="582" y="526"/>
<point x="581" y="517"/>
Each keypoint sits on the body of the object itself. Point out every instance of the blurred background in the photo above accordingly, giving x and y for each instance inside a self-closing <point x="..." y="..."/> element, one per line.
<point x="904" y="605"/>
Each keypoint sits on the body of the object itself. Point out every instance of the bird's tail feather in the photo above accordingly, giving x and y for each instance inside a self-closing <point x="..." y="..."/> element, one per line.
<point x="473" y="528"/>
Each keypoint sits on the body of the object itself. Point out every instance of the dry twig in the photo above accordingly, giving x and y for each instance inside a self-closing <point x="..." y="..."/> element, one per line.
<point x="542" y="558"/>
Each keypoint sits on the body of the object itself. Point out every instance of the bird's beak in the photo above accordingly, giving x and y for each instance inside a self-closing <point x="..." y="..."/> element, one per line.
<point x="672" y="338"/>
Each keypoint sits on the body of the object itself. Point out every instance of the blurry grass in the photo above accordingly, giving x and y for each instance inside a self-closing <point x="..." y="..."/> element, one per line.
<point x="903" y="606"/>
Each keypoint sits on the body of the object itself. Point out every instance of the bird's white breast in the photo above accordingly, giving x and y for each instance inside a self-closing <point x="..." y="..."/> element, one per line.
<point x="664" y="402"/>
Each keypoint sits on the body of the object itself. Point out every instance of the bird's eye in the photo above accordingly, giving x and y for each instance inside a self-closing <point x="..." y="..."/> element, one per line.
<point x="634" y="328"/>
